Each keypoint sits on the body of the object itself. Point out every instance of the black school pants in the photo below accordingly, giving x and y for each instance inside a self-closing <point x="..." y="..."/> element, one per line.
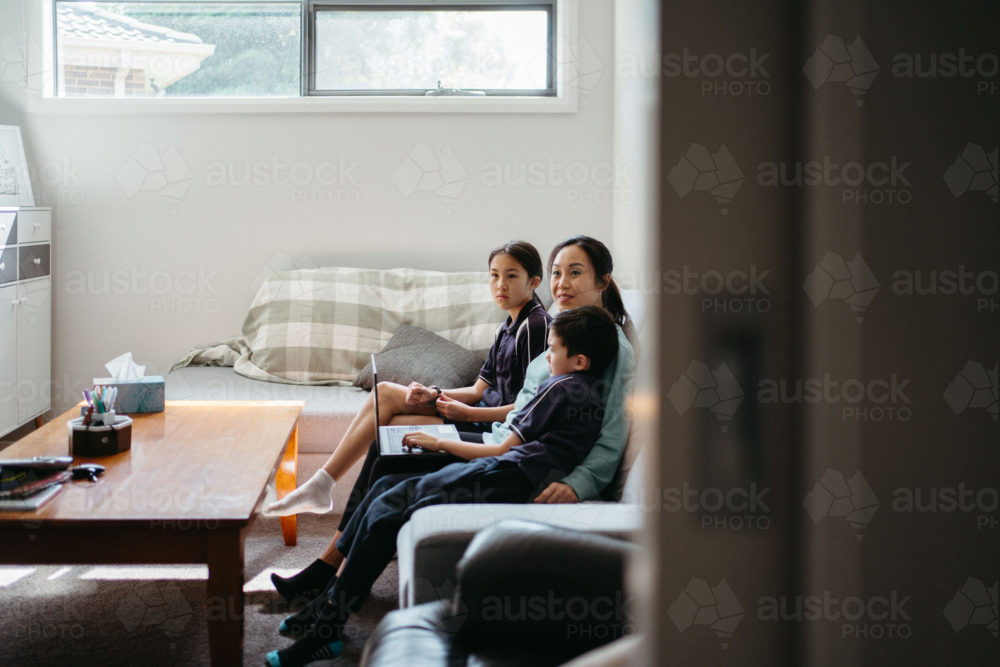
<point x="376" y="467"/>
<point x="369" y="541"/>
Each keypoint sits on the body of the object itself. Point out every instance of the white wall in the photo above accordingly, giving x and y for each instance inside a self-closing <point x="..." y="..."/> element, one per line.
<point x="228" y="234"/>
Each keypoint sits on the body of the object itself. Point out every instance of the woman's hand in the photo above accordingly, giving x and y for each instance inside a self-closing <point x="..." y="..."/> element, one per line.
<point x="454" y="410"/>
<point x="557" y="492"/>
<point x="424" y="441"/>
<point x="417" y="393"/>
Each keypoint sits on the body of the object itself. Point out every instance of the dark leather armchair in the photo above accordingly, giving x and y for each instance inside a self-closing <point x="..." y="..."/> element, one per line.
<point x="527" y="594"/>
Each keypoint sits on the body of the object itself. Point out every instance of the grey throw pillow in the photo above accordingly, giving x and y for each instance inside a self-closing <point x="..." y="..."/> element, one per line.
<point x="416" y="355"/>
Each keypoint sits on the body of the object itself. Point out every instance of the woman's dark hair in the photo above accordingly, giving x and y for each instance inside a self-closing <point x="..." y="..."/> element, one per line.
<point x="600" y="259"/>
<point x="524" y="254"/>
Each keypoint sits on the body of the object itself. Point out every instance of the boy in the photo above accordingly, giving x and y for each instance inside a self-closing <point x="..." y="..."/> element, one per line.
<point x="550" y="436"/>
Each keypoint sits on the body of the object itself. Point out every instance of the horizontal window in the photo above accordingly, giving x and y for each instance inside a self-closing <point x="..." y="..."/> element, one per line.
<point x="404" y="50"/>
<point x="239" y="48"/>
<point x="133" y="49"/>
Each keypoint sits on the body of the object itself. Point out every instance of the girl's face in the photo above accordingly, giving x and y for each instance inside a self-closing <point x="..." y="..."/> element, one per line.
<point x="509" y="282"/>
<point x="573" y="280"/>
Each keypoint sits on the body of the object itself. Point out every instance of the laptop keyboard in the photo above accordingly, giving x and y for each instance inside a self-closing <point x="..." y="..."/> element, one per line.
<point x="393" y="440"/>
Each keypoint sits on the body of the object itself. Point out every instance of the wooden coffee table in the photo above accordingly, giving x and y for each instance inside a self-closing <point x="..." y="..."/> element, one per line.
<point x="187" y="492"/>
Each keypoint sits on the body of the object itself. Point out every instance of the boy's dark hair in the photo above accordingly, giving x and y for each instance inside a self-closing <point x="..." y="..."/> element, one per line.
<point x="590" y="331"/>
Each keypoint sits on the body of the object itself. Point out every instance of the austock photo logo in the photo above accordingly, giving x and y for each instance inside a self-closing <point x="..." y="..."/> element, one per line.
<point x="596" y="183"/>
<point x="450" y="622"/>
<point x="326" y="182"/>
<point x="973" y="605"/>
<point x="582" y="69"/>
<point x="973" y="171"/>
<point x="152" y="603"/>
<point x="973" y="387"/>
<point x="149" y="170"/>
<point x="948" y="65"/>
<point x="702" y="171"/>
<point x="714" y="606"/>
<point x="859" y="618"/>
<point x="701" y="387"/>
<point x="834" y="279"/>
<point x="734" y="75"/>
<point x="24" y="62"/>
<point x="835" y="496"/>
<point x="865" y="183"/>
<point x="736" y="291"/>
<point x="837" y="62"/>
<point x="426" y="170"/>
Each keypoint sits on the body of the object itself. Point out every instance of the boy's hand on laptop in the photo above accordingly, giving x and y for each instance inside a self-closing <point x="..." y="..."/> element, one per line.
<point x="424" y="441"/>
<point x="451" y="409"/>
<point x="557" y="492"/>
<point x="417" y="393"/>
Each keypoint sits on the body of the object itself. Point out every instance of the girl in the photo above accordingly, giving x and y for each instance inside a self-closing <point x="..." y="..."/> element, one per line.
<point x="515" y="272"/>
<point x="580" y="275"/>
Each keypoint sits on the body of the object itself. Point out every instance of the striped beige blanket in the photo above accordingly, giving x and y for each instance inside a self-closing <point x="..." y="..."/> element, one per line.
<point x="320" y="326"/>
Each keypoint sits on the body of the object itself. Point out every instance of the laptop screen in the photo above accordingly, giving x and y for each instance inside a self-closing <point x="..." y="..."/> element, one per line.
<point x="378" y="442"/>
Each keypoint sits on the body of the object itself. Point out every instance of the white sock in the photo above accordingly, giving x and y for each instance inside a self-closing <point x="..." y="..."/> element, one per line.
<point x="314" y="496"/>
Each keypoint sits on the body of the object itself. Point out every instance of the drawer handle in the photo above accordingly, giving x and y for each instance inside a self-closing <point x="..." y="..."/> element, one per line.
<point x="38" y="260"/>
<point x="3" y="228"/>
<point x="23" y="299"/>
<point x="3" y="265"/>
<point x="37" y="225"/>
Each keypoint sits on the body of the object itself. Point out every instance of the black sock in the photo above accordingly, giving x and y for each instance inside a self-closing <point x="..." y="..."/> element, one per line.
<point x="307" y="650"/>
<point x="308" y="583"/>
<point x="300" y="621"/>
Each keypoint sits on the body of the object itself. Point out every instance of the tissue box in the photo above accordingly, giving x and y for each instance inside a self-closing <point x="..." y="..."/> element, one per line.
<point x="143" y="395"/>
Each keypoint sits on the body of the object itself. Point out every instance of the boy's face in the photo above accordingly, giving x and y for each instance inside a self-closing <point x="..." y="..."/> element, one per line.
<point x="560" y="363"/>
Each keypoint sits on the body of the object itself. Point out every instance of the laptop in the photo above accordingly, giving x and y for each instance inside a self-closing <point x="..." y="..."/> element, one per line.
<point x="390" y="438"/>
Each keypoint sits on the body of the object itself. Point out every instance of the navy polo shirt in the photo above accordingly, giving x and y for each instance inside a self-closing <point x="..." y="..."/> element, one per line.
<point x="516" y="344"/>
<point x="558" y="427"/>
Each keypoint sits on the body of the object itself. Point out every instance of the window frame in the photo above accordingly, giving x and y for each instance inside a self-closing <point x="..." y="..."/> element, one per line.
<point x="308" y="9"/>
<point x="315" y="6"/>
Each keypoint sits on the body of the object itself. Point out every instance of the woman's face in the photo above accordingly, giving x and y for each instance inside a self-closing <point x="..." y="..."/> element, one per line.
<point x="573" y="280"/>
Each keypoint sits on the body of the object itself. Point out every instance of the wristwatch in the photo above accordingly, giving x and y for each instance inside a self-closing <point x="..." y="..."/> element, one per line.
<point x="437" y="389"/>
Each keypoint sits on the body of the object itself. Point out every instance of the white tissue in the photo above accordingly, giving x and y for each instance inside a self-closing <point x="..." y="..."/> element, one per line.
<point x="123" y="369"/>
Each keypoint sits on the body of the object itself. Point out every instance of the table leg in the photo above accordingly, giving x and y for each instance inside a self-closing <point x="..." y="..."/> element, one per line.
<point x="39" y="421"/>
<point x="225" y="597"/>
<point x="285" y="482"/>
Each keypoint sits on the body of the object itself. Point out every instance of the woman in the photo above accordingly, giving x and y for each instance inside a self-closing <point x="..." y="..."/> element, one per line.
<point x="580" y="275"/>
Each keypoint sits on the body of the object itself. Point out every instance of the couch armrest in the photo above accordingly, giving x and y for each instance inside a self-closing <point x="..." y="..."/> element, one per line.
<point x="543" y="588"/>
<point x="431" y="543"/>
<point x="579" y="577"/>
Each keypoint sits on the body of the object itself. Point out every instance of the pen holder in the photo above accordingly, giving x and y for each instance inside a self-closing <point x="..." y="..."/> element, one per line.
<point x="96" y="439"/>
<point x="99" y="418"/>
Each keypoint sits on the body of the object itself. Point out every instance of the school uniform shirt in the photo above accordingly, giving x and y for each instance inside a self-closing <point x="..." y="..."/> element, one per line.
<point x="558" y="428"/>
<point x="517" y="343"/>
<point x="595" y="473"/>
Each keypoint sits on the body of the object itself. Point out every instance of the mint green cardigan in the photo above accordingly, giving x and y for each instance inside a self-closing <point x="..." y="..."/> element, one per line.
<point x="590" y="477"/>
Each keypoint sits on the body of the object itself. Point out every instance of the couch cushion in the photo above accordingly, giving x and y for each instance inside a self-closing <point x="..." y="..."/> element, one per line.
<point x="320" y="326"/>
<point x="416" y="355"/>
<point x="327" y="413"/>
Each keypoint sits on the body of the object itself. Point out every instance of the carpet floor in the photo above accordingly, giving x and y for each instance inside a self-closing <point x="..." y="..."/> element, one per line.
<point x="154" y="616"/>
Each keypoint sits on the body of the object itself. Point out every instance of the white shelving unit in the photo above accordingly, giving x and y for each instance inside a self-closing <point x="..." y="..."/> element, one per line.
<point x="25" y="315"/>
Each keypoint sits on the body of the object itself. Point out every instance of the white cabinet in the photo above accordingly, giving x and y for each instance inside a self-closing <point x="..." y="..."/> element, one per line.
<point x="34" y="348"/>
<point x="8" y="358"/>
<point x="25" y="316"/>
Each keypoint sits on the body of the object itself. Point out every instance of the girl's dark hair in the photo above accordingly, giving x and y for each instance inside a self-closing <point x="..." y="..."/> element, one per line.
<point x="524" y="254"/>
<point x="600" y="259"/>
